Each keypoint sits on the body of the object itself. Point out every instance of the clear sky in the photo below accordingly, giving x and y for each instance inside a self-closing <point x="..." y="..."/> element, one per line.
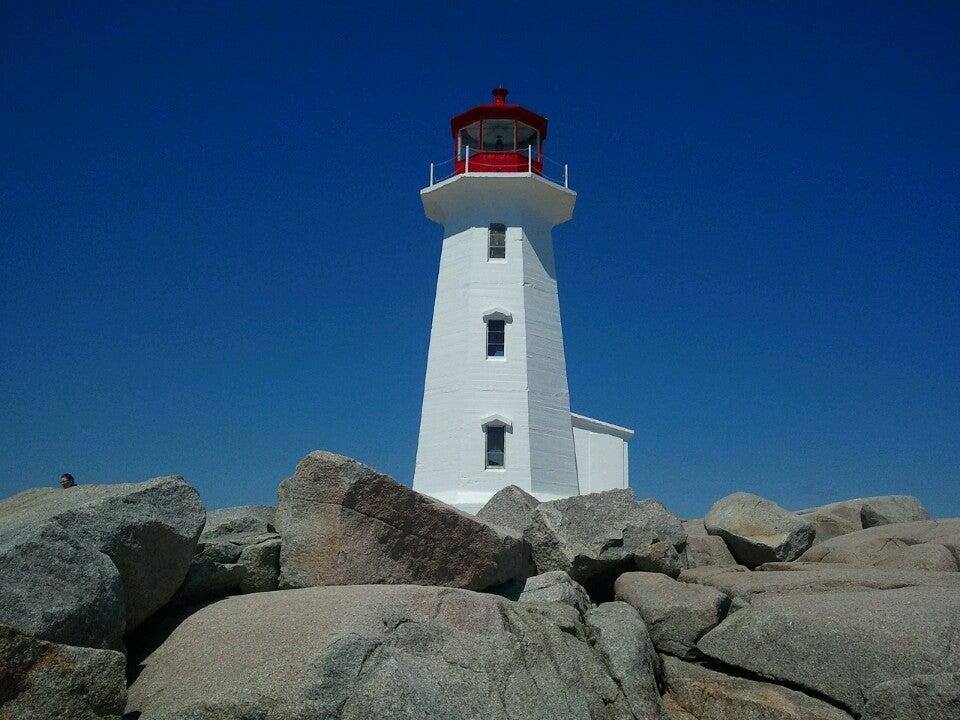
<point x="213" y="257"/>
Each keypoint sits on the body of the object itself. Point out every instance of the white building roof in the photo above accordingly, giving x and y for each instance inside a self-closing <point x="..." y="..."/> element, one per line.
<point x="585" y="423"/>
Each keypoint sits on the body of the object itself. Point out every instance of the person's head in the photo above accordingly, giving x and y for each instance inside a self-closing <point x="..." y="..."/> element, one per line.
<point x="67" y="481"/>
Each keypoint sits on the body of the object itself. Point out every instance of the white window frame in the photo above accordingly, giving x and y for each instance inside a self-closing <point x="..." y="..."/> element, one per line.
<point x="495" y="314"/>
<point x="495" y="421"/>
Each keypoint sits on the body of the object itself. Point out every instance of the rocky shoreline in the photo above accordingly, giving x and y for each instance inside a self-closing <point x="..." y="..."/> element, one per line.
<point x="358" y="598"/>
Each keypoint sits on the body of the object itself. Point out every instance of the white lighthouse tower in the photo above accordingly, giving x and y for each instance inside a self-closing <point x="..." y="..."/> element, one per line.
<point x="496" y="407"/>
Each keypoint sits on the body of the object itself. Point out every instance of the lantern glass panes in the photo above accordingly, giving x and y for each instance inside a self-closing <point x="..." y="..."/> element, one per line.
<point x="528" y="140"/>
<point x="496" y="338"/>
<point x="469" y="138"/>
<point x="498" y="135"/>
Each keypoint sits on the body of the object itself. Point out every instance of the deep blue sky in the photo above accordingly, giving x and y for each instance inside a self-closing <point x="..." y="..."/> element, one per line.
<point x="213" y="257"/>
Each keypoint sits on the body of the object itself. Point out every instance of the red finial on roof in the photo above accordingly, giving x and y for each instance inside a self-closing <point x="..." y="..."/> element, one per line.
<point x="500" y="95"/>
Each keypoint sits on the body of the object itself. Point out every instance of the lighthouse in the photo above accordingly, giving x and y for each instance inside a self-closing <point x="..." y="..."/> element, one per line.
<point x="496" y="406"/>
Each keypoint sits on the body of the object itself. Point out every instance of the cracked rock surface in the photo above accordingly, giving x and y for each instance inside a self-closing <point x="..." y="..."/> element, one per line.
<point x="40" y="680"/>
<point x="398" y="652"/>
<point x="842" y="644"/>
<point x="343" y="523"/>
<point x="553" y="586"/>
<point x="847" y="516"/>
<point x="798" y="577"/>
<point x="923" y="545"/>
<point x="677" y="614"/>
<point x="704" y="694"/>
<point x="238" y="552"/>
<point x="925" y="697"/>
<point x="595" y="537"/>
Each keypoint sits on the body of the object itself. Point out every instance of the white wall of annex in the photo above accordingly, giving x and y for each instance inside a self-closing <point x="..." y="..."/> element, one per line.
<point x="602" y="460"/>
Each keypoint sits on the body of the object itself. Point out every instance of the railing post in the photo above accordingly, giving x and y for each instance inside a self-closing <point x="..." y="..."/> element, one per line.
<point x="529" y="158"/>
<point x="566" y="176"/>
<point x="431" y="174"/>
<point x="466" y="164"/>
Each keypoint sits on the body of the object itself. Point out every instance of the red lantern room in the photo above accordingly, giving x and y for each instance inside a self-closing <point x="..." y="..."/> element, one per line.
<point x="499" y="137"/>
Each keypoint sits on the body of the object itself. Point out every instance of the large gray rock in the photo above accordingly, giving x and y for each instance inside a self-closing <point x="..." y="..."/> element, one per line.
<point x="841" y="518"/>
<point x="594" y="538"/>
<point x="229" y="565"/>
<point x="554" y="586"/>
<point x="925" y="545"/>
<point x="835" y="519"/>
<point x="677" y="614"/>
<point x="757" y="530"/>
<point x="239" y="552"/>
<point x="660" y="557"/>
<point x="509" y="508"/>
<point x="260" y="561"/>
<point x="393" y="652"/>
<point x="926" y="556"/>
<point x="85" y="565"/>
<point x="708" y="551"/>
<point x="705" y="550"/>
<point x="343" y="523"/>
<point x="621" y="639"/>
<point x="842" y="644"/>
<point x="925" y="697"/>
<point x="242" y="520"/>
<point x="708" y="695"/>
<point x="213" y="573"/>
<point x="40" y="680"/>
<point x="55" y="587"/>
<point x="891" y="509"/>
<point x="798" y="578"/>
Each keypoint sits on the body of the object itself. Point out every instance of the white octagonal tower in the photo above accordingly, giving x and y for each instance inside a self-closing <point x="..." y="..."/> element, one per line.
<point x="496" y="408"/>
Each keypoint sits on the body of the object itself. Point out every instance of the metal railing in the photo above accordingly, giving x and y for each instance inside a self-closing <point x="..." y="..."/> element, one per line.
<point x="560" y="177"/>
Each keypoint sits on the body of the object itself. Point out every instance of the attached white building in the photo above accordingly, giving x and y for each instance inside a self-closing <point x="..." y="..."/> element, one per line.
<point x="496" y="407"/>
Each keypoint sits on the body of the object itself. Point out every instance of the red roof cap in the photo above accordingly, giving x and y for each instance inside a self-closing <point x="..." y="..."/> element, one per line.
<point x="497" y="110"/>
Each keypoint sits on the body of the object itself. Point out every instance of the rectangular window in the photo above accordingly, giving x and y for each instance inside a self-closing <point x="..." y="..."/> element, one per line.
<point x="498" y="135"/>
<point x="497" y="246"/>
<point x="496" y="436"/>
<point x="496" y="330"/>
<point x="469" y="138"/>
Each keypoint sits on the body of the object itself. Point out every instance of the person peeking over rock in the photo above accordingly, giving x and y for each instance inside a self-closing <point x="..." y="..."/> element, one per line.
<point x="67" y="481"/>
